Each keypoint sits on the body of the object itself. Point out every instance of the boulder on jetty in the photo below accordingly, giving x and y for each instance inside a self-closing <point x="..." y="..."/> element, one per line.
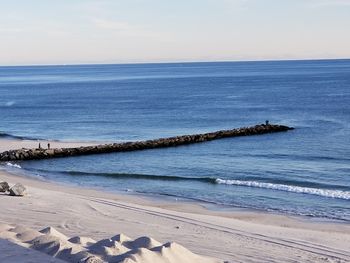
<point x="93" y="259"/>
<point x="4" y="187"/>
<point x="17" y="190"/>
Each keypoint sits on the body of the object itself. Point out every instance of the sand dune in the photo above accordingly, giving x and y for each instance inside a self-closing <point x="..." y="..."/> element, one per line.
<point x="10" y="252"/>
<point x="119" y="248"/>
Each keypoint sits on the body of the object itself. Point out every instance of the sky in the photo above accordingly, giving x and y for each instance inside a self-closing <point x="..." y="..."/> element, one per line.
<point x="132" y="31"/>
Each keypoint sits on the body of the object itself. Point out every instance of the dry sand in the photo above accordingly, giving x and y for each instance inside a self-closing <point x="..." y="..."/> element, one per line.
<point x="13" y="144"/>
<point x="231" y="236"/>
<point x="90" y="215"/>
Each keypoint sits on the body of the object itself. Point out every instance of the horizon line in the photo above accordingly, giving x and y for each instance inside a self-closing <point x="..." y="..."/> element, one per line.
<point x="172" y="62"/>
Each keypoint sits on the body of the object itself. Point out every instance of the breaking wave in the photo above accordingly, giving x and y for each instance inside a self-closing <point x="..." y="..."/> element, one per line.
<point x="13" y="165"/>
<point x="289" y="188"/>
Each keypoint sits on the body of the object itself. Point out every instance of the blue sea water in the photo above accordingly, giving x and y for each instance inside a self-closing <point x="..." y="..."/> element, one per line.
<point x="305" y="171"/>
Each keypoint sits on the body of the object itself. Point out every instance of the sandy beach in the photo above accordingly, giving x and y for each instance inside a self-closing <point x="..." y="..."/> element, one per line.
<point x="239" y="236"/>
<point x="13" y="144"/>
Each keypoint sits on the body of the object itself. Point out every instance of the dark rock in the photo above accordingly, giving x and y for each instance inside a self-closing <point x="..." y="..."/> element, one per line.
<point x="93" y="259"/>
<point x="17" y="190"/>
<point x="4" y="187"/>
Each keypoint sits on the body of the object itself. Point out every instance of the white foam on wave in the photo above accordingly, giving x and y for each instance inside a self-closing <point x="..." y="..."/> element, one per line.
<point x="10" y="103"/>
<point x="13" y="165"/>
<point x="289" y="188"/>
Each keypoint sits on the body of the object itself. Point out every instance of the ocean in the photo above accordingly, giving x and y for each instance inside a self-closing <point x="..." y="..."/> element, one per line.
<point x="301" y="172"/>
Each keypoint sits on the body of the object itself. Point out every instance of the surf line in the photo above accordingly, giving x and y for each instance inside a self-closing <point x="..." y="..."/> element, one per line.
<point x="37" y="154"/>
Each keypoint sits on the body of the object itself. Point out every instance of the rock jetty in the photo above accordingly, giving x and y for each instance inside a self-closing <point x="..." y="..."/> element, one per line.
<point x="36" y="154"/>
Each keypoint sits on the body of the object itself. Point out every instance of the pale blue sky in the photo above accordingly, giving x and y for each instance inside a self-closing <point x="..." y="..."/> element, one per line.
<point x="118" y="31"/>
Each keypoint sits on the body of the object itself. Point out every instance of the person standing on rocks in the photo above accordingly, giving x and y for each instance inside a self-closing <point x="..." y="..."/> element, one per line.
<point x="48" y="146"/>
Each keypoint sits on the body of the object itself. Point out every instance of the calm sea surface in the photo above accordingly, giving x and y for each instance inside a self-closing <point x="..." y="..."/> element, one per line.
<point x="305" y="171"/>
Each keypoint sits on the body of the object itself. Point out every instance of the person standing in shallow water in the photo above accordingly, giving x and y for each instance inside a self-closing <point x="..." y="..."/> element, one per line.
<point x="48" y="146"/>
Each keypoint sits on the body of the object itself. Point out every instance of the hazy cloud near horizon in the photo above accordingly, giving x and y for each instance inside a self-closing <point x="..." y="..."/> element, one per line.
<point x="107" y="31"/>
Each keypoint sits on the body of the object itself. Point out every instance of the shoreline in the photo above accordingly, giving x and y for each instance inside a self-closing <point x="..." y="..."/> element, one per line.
<point x="160" y="200"/>
<point x="178" y="204"/>
<point x="154" y="197"/>
<point x="210" y="233"/>
<point x="173" y="201"/>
